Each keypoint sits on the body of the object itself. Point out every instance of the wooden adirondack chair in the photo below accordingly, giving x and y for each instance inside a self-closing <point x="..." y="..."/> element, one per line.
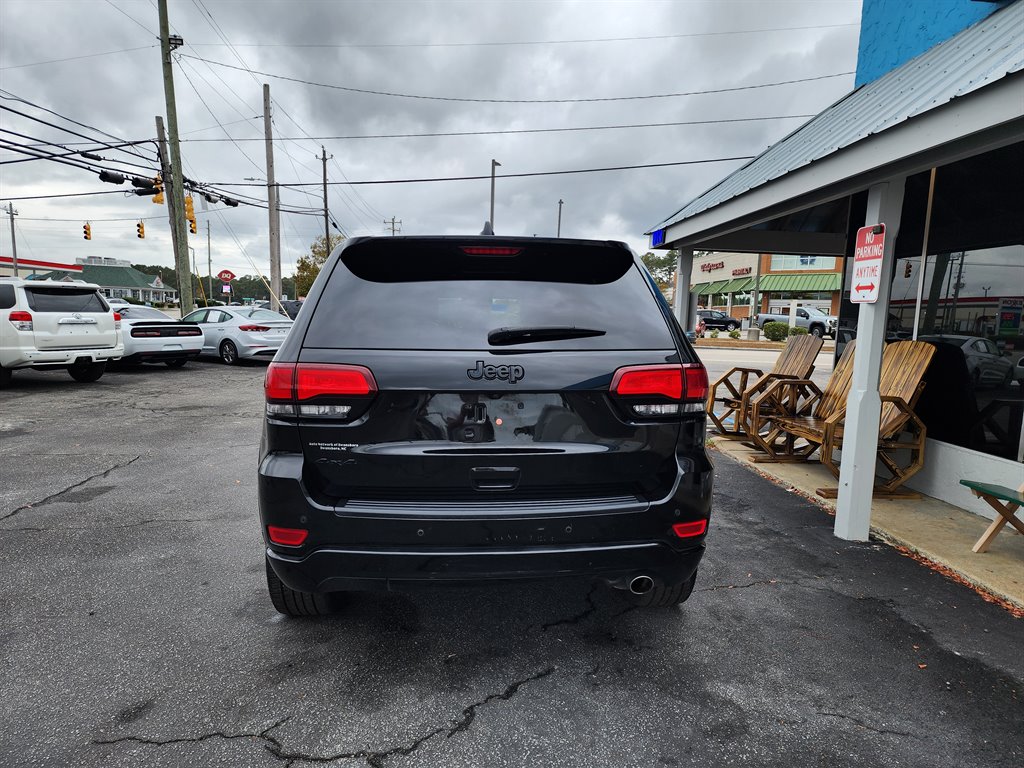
<point x="734" y="390"/>
<point x="901" y="382"/>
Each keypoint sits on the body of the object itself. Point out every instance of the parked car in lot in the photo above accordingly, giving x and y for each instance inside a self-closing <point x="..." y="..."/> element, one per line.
<point x="813" y="319"/>
<point x="1018" y="371"/>
<point x="986" y="364"/>
<point x="240" y="333"/>
<point x="464" y="409"/>
<point x="150" y="336"/>
<point x="716" y="320"/>
<point x="45" y="324"/>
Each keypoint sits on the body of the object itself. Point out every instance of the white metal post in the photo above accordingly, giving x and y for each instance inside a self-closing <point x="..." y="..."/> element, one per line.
<point x="683" y="304"/>
<point x="863" y="407"/>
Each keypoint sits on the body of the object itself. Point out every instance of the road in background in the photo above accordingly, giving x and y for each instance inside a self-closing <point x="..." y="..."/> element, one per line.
<point x="719" y="360"/>
<point x="137" y="629"/>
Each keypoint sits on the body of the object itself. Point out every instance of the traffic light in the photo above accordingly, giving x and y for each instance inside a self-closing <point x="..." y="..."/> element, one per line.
<point x="141" y="229"/>
<point x="190" y="212"/>
<point x="158" y="185"/>
<point x="86" y="231"/>
<point x="192" y="226"/>
<point x="906" y="269"/>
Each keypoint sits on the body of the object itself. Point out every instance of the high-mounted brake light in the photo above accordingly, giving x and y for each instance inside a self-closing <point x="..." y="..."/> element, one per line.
<point x="289" y="537"/>
<point x="22" y="321"/>
<point x="490" y="250"/>
<point x="257" y="328"/>
<point x="690" y="530"/>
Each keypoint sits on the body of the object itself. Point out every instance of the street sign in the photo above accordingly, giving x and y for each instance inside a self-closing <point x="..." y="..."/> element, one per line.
<point x="226" y="275"/>
<point x="867" y="264"/>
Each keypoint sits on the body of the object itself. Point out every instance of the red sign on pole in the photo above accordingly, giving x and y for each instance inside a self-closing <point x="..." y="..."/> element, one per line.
<point x="867" y="264"/>
<point x="226" y="275"/>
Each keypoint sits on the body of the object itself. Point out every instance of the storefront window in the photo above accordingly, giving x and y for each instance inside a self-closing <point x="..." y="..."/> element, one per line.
<point x="788" y="263"/>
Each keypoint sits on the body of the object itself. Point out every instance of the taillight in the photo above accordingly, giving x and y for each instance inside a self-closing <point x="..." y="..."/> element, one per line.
<point x="648" y="388"/>
<point x="289" y="537"/>
<point x="117" y="321"/>
<point x="313" y="389"/>
<point x="258" y="328"/>
<point x="138" y="333"/>
<point x="22" y="321"/>
<point x="690" y="530"/>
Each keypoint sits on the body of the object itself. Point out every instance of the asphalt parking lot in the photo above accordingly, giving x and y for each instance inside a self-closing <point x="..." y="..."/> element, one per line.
<point x="137" y="630"/>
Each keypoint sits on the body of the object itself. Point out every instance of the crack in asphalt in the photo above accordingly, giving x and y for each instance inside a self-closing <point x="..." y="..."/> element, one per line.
<point x="592" y="606"/>
<point x="373" y="758"/>
<point x="762" y="583"/>
<point x="864" y="725"/>
<point x="101" y="526"/>
<point x="55" y="496"/>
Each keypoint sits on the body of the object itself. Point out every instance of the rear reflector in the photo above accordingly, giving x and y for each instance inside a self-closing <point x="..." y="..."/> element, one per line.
<point x="490" y="250"/>
<point x="289" y="537"/>
<point x="689" y="530"/>
<point x="315" y="380"/>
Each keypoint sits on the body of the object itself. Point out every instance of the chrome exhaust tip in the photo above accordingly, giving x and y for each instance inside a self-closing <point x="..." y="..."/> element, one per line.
<point x="641" y="585"/>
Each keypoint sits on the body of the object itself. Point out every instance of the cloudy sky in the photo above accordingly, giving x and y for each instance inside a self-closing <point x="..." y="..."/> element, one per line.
<point x="97" y="62"/>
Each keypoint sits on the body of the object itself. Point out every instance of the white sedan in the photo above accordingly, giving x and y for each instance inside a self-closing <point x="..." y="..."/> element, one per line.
<point x="150" y="336"/>
<point x="240" y="333"/>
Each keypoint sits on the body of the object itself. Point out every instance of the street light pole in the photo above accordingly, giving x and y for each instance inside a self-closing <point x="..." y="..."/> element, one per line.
<point x="494" y="164"/>
<point x="559" y="232"/>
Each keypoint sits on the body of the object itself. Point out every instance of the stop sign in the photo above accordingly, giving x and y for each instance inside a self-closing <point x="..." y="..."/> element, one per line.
<point x="226" y="275"/>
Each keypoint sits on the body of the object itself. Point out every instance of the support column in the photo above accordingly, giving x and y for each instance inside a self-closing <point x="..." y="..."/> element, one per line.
<point x="683" y="299"/>
<point x="863" y="407"/>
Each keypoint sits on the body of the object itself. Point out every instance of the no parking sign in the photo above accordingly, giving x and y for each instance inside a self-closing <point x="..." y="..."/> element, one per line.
<point x="867" y="264"/>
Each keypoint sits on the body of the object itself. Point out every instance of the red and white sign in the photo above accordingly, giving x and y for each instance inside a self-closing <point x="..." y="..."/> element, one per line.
<point x="8" y="261"/>
<point x="867" y="264"/>
<point x="226" y="275"/>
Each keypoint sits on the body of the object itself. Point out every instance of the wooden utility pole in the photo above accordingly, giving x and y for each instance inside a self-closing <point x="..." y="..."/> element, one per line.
<point x="327" y="228"/>
<point x="394" y="226"/>
<point x="558" y="233"/>
<point x="272" y="205"/>
<point x="14" y="242"/>
<point x="209" y="264"/>
<point x="172" y="173"/>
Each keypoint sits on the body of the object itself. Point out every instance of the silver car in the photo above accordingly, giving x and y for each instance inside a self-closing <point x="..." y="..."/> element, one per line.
<point x="986" y="364"/>
<point x="240" y="333"/>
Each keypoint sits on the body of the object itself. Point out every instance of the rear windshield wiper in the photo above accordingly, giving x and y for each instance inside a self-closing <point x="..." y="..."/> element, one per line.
<point x="501" y="337"/>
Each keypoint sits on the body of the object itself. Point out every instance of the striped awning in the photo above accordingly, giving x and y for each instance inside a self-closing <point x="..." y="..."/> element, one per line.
<point x="704" y="289"/>
<point x="830" y="281"/>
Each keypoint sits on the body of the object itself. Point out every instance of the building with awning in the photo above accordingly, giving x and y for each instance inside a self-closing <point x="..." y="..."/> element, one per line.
<point x="930" y="143"/>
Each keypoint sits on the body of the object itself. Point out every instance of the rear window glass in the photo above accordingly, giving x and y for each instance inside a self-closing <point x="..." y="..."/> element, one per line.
<point x="64" y="300"/>
<point x="432" y="295"/>
<point x="6" y="296"/>
<point x="259" y="314"/>
<point x="142" y="313"/>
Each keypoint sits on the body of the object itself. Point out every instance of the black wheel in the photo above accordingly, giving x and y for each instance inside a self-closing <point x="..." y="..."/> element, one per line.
<point x="228" y="352"/>
<point x="665" y="596"/>
<point x="731" y="326"/>
<point x="176" y="363"/>
<point x="976" y="378"/>
<point x="88" y="372"/>
<point x="292" y="603"/>
<point x="5" y="377"/>
<point x="817" y="331"/>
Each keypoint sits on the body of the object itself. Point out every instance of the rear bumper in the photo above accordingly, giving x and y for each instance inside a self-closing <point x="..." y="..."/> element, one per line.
<point x="333" y="569"/>
<point x="31" y="357"/>
<point x="153" y="356"/>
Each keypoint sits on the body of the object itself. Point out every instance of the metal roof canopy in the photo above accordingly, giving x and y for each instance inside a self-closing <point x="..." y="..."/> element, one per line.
<point x="960" y="98"/>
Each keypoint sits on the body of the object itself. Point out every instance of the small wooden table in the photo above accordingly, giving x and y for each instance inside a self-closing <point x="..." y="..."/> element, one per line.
<point x="995" y="496"/>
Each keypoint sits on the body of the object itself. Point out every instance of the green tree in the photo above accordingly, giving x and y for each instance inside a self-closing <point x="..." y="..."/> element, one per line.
<point x="662" y="267"/>
<point x="308" y="266"/>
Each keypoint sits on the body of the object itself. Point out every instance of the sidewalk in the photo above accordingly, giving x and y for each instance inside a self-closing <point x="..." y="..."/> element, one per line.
<point x="927" y="528"/>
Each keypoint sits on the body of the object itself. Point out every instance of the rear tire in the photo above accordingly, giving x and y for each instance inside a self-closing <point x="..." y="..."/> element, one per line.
<point x="178" y="363"/>
<point x="5" y="377"/>
<point x="87" y="373"/>
<point x="731" y="326"/>
<point x="665" y="596"/>
<point x="291" y="602"/>
<point x="228" y="352"/>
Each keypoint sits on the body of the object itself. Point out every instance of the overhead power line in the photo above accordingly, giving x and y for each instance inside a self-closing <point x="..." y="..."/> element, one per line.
<point x="436" y="134"/>
<point x="516" y="101"/>
<point x="76" y="58"/>
<point x="503" y="176"/>
<point x="530" y="42"/>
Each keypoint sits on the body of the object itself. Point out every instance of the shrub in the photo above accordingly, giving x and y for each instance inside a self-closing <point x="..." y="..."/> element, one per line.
<point x="132" y="300"/>
<point x="734" y="334"/>
<point x="796" y="330"/>
<point x="775" y="331"/>
<point x="714" y="334"/>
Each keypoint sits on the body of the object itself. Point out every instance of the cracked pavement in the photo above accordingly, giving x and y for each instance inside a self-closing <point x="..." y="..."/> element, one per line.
<point x="138" y="631"/>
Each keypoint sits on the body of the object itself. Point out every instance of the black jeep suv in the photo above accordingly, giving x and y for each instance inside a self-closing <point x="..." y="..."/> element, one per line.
<point x="467" y="408"/>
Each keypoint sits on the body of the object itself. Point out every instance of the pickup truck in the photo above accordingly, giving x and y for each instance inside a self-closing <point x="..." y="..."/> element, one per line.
<point x="813" y="319"/>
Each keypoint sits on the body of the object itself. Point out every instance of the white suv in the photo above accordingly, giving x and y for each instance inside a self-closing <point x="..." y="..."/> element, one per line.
<point x="47" y="324"/>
